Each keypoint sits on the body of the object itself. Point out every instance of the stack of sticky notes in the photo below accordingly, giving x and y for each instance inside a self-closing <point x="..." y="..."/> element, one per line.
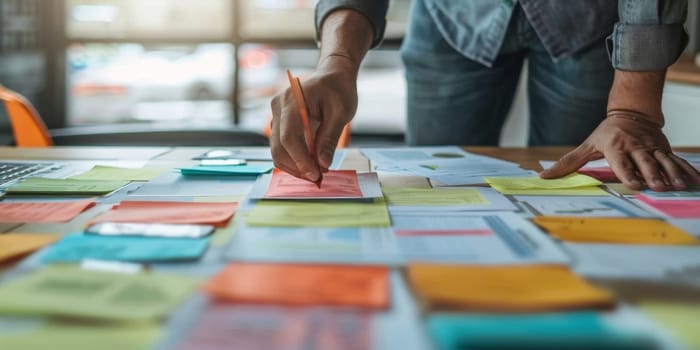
<point x="614" y="230"/>
<point x="74" y="292"/>
<point x="56" y="211"/>
<point x="163" y="212"/>
<point x="570" y="185"/>
<point x="504" y="288"/>
<point x="288" y="284"/>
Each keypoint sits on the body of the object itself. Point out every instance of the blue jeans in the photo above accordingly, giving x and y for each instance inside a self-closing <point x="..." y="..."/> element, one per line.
<point x="453" y="100"/>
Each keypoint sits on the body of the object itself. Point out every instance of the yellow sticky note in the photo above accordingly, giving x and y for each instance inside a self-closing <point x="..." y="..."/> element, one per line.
<point x="75" y="335"/>
<point x="680" y="320"/>
<point x="429" y="196"/>
<point x="101" y="172"/>
<point x="570" y="185"/>
<point x="319" y="214"/>
<point x="13" y="245"/>
<point x="504" y="288"/>
<point x="614" y="230"/>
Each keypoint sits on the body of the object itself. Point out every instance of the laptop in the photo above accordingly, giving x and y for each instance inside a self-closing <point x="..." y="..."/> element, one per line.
<point x="12" y="172"/>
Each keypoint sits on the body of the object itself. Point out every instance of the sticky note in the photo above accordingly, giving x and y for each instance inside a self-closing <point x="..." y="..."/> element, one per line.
<point x="78" y="247"/>
<point x="562" y="330"/>
<point x="678" y="319"/>
<point x="215" y="213"/>
<point x="319" y="214"/>
<point x="62" y="211"/>
<point x="429" y="196"/>
<point x="614" y="230"/>
<point x="604" y="174"/>
<point x="66" y="290"/>
<point x="570" y="185"/>
<point x="101" y="172"/>
<point x="40" y="185"/>
<point x="336" y="183"/>
<point x="675" y="208"/>
<point x="504" y="288"/>
<point x="13" y="245"/>
<point x="288" y="284"/>
<point x="75" y="335"/>
<point x="233" y="170"/>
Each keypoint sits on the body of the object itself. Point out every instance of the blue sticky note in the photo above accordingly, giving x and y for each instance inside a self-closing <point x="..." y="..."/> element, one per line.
<point x="565" y="330"/>
<point x="78" y="247"/>
<point x="240" y="170"/>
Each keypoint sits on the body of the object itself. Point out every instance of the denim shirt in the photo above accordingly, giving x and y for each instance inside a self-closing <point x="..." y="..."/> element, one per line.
<point x="642" y="35"/>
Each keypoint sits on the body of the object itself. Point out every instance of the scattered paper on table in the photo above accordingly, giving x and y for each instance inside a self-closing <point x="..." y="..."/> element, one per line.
<point x="582" y="206"/>
<point x="319" y="214"/>
<point x="328" y="285"/>
<point x="504" y="288"/>
<point x="56" y="211"/>
<point x="41" y="185"/>
<point x="13" y="245"/>
<point x="163" y="212"/>
<point x="101" y="172"/>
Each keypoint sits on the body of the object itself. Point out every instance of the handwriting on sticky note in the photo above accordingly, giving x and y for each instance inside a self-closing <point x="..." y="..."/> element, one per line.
<point x="101" y="172"/>
<point x="429" y="196"/>
<point x="319" y="214"/>
<point x="336" y="183"/>
<point x="62" y="211"/>
<point x="217" y="214"/>
<point x="614" y="230"/>
<point x="13" y="245"/>
<point x="508" y="288"/>
<point x="40" y="185"/>
<point x="358" y="286"/>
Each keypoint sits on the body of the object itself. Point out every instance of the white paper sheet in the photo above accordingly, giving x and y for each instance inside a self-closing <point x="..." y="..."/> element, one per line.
<point x="582" y="206"/>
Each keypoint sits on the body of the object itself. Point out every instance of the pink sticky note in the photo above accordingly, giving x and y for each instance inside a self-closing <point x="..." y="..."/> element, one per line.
<point x="217" y="214"/>
<point x="674" y="208"/>
<point x="604" y="174"/>
<point x="336" y="184"/>
<point x="57" y="211"/>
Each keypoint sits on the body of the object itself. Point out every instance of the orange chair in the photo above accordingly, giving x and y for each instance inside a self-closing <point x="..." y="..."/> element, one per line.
<point x="28" y="128"/>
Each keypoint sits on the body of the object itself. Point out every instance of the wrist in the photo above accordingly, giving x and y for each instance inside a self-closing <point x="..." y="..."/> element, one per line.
<point x="339" y="63"/>
<point x="638" y="94"/>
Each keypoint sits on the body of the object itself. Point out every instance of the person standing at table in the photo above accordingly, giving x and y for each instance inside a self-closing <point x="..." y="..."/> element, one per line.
<point x="596" y="75"/>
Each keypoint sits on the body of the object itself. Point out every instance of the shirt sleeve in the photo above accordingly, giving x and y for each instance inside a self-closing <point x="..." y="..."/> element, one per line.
<point x="649" y="35"/>
<point x="374" y="10"/>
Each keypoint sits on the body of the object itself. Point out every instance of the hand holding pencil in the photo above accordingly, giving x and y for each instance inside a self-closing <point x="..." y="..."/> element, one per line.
<point x="295" y="86"/>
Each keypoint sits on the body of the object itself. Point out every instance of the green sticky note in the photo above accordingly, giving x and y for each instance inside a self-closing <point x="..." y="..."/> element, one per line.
<point x="319" y="214"/>
<point x="570" y="185"/>
<point x="678" y="319"/>
<point x="101" y="172"/>
<point x="63" y="290"/>
<point x="41" y="185"/>
<point x="429" y="196"/>
<point x="240" y="170"/>
<point x="72" y="336"/>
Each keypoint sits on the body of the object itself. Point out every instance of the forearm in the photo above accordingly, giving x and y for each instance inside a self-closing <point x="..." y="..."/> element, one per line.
<point x="640" y="92"/>
<point x="346" y="36"/>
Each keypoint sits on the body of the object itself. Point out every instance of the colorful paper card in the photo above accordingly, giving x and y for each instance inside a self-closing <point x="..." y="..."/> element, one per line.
<point x="319" y="214"/>
<point x="287" y="284"/>
<point x="336" y="183"/>
<point x="675" y="208"/>
<point x="236" y="170"/>
<point x="101" y="172"/>
<point x="428" y="196"/>
<point x="163" y="212"/>
<point x="504" y="288"/>
<point x="572" y="184"/>
<point x="13" y="245"/>
<point x="62" y="211"/>
<point x="604" y="174"/>
<point x="79" y="247"/>
<point x="75" y="335"/>
<point x="63" y="290"/>
<point x="41" y="185"/>
<point x="614" y="230"/>
<point x="678" y="319"/>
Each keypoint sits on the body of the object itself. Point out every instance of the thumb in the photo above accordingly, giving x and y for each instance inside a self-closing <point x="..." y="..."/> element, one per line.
<point x="327" y="137"/>
<point x="569" y="163"/>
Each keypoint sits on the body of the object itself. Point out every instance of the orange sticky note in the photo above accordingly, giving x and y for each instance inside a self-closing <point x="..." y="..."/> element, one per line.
<point x="614" y="230"/>
<point x="13" y="245"/>
<point x="289" y="284"/>
<point x="504" y="288"/>
<point x="217" y="214"/>
<point x="336" y="183"/>
<point x="61" y="211"/>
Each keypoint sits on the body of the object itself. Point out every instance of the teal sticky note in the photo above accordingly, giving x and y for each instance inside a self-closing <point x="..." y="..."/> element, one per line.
<point x="78" y="247"/>
<point x="234" y="170"/>
<point x="565" y="330"/>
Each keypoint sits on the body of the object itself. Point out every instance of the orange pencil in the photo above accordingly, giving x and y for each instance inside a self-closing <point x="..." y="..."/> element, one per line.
<point x="295" y="85"/>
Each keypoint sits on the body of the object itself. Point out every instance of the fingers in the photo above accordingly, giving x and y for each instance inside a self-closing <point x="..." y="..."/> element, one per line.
<point x="280" y="156"/>
<point x="649" y="168"/>
<point x="624" y="169"/>
<point x="327" y="140"/>
<point x="692" y="174"/>
<point x="674" y="173"/>
<point x="291" y="138"/>
<point x="569" y="163"/>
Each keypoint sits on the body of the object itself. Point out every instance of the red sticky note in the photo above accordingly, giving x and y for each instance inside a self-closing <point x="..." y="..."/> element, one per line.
<point x="290" y="284"/>
<point x="217" y="214"/>
<point x="409" y="233"/>
<point x="61" y="211"/>
<point x="674" y="208"/>
<point x="604" y="174"/>
<point x="336" y="184"/>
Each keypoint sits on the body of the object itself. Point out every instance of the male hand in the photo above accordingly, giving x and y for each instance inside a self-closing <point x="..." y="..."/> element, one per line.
<point x="636" y="151"/>
<point x="330" y="94"/>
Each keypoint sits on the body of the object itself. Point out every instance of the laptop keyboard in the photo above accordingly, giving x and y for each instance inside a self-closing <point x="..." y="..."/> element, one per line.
<point x="10" y="172"/>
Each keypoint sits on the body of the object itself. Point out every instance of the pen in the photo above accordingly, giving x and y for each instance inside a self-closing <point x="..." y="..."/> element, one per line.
<point x="295" y="85"/>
